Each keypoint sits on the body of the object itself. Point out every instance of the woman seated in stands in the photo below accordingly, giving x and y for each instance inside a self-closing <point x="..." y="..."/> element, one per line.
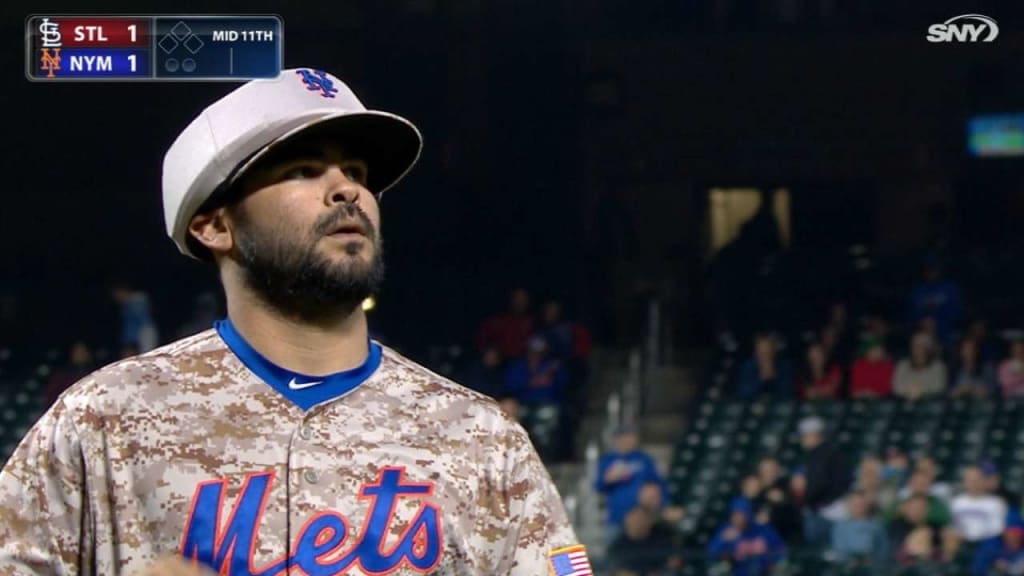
<point x="922" y="374"/>
<point x="972" y="376"/>
<point x="765" y="373"/>
<point x="1011" y="371"/>
<point x="820" y="378"/>
<point x="871" y="375"/>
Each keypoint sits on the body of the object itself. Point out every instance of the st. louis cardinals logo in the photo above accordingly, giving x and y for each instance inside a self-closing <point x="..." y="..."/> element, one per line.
<point x="317" y="80"/>
<point x="323" y="545"/>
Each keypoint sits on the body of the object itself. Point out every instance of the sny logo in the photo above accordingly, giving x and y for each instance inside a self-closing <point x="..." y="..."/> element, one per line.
<point x="318" y="80"/>
<point x="961" y="29"/>
<point x="227" y="545"/>
<point x="49" y="63"/>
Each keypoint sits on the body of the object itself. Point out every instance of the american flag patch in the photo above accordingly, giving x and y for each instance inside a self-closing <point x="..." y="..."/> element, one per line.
<point x="571" y="561"/>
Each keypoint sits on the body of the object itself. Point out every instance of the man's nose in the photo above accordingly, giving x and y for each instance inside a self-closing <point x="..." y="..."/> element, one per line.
<point x="341" y="189"/>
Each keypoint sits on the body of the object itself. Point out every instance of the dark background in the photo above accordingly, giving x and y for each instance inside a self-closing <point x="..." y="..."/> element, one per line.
<point x="569" y="147"/>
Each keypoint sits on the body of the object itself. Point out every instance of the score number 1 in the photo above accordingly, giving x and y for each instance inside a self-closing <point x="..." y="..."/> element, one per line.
<point x="131" y="58"/>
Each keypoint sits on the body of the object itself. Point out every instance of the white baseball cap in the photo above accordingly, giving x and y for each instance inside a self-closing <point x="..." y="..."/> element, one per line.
<point x="235" y="131"/>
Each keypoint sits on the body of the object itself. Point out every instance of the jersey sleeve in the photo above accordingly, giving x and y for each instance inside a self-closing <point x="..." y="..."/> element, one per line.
<point x="525" y="510"/>
<point x="43" y="514"/>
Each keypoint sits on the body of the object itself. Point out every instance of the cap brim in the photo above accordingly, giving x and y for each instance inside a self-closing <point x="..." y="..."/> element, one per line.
<point x="389" y="144"/>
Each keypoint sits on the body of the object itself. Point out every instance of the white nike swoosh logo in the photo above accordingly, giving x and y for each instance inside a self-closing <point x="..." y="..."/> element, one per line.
<point x="293" y="385"/>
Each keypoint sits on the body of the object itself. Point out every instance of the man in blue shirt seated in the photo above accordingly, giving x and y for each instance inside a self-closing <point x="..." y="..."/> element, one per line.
<point x="752" y="549"/>
<point x="621" y="474"/>
<point x="859" y="537"/>
<point x="538" y="379"/>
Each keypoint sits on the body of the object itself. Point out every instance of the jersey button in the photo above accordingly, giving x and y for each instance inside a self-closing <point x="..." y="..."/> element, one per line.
<point x="306" y="432"/>
<point x="311" y="477"/>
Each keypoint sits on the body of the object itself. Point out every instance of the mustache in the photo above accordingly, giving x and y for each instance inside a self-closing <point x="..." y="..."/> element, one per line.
<point x="344" y="213"/>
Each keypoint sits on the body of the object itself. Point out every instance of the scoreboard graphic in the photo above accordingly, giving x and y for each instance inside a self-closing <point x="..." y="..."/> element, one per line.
<point x="197" y="47"/>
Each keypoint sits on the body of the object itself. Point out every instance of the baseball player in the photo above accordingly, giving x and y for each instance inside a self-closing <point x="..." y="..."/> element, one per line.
<point x="283" y="440"/>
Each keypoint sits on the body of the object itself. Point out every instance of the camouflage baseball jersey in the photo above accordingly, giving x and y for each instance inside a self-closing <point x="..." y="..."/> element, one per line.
<point x="201" y="448"/>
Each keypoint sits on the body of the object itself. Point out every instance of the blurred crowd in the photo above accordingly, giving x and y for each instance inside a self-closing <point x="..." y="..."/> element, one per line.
<point x="880" y="513"/>
<point x="534" y="364"/>
<point x="884" y="513"/>
<point x="929" y="355"/>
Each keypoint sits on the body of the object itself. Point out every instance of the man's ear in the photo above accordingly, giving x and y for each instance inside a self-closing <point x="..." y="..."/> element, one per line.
<point x="211" y="230"/>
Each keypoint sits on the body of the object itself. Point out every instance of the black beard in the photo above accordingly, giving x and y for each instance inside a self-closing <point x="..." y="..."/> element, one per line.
<point x="290" y="276"/>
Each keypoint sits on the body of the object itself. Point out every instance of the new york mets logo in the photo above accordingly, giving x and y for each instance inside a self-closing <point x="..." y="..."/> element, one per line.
<point x="318" y="80"/>
<point x="49" y="62"/>
<point x="322" y="545"/>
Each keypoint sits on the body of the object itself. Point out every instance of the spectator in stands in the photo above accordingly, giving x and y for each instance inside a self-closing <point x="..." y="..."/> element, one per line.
<point x="878" y="329"/>
<point x="537" y="379"/>
<point x="486" y="374"/>
<point x="79" y="364"/>
<point x="557" y="331"/>
<point x="858" y="536"/>
<point x="922" y="374"/>
<point x="977" y="330"/>
<point x="977" y="514"/>
<point x="994" y="485"/>
<point x="895" y="468"/>
<point x="138" y="329"/>
<point x="750" y="548"/>
<point x="750" y="488"/>
<point x="920" y="486"/>
<point x="936" y="297"/>
<point x="834" y="342"/>
<point x="570" y="343"/>
<point x="927" y="326"/>
<point x="871" y="375"/>
<point x="914" y="538"/>
<point x="645" y="548"/>
<point x="777" y="502"/>
<point x="622" y="472"/>
<point x="510" y="330"/>
<point x="871" y="483"/>
<point x="927" y="465"/>
<point x="769" y="474"/>
<point x="819" y="378"/>
<point x="765" y="373"/>
<point x="1006" y="555"/>
<point x="972" y="376"/>
<point x="829" y="476"/>
<point x="1011" y="371"/>
<point x="652" y="500"/>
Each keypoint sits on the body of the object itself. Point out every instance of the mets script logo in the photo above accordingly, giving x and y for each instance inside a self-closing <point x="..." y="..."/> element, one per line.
<point x="318" y="80"/>
<point x="322" y="545"/>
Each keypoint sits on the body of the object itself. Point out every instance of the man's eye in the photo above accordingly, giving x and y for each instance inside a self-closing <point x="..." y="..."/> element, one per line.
<point x="303" y="171"/>
<point x="356" y="174"/>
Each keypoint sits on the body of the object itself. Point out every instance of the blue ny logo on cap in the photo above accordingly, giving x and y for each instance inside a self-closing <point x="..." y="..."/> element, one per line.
<point x="318" y="80"/>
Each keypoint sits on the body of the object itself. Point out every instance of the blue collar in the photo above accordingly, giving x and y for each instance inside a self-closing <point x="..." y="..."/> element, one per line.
<point x="302" y="390"/>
